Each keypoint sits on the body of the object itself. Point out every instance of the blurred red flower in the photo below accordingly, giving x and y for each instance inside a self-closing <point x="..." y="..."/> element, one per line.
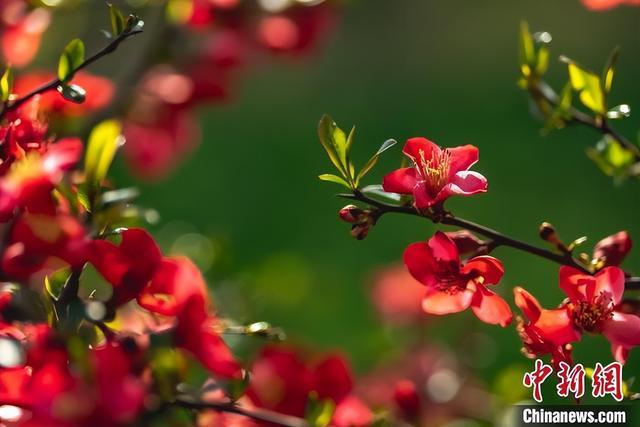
<point x="397" y="295"/>
<point x="608" y="4"/>
<point x="21" y="31"/>
<point x="436" y="173"/>
<point x="453" y="287"/>
<point x="283" y="382"/>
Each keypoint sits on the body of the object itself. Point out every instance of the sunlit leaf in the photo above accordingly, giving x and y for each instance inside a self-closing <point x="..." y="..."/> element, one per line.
<point x="562" y="112"/>
<point x="609" y="70"/>
<point x="72" y="57"/>
<point x="374" y="159"/>
<point x="542" y="62"/>
<point x="319" y="412"/>
<point x="612" y="158"/>
<point x="117" y="20"/>
<point x="335" y="143"/>
<point x="527" y="52"/>
<point x="6" y="84"/>
<point x="588" y="85"/>
<point x="335" y="179"/>
<point x="104" y="141"/>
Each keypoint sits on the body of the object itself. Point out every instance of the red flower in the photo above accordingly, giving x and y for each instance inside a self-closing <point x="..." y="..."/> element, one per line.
<point x="30" y="180"/>
<point x="37" y="238"/>
<point x="99" y="92"/>
<point x="546" y="331"/>
<point x="21" y="31"/>
<point x="396" y="295"/>
<point x="281" y="381"/>
<point x="594" y="305"/>
<point x="436" y="173"/>
<point x="608" y="4"/>
<point x="612" y="250"/>
<point x="453" y="287"/>
<point x="167" y="286"/>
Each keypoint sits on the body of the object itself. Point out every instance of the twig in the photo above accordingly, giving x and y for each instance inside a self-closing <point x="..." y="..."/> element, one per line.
<point x="543" y="91"/>
<point x="497" y="238"/>
<point x="53" y="84"/>
<point x="255" y="414"/>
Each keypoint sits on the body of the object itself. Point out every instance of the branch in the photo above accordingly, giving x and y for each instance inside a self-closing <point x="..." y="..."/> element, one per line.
<point x="109" y="48"/>
<point x="543" y="91"/>
<point x="255" y="414"/>
<point x="497" y="238"/>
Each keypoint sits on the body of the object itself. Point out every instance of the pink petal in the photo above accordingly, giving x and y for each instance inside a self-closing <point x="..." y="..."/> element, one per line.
<point x="400" y="181"/>
<point x="584" y="287"/>
<point x="462" y="158"/>
<point x="413" y="146"/>
<point x="623" y="332"/>
<point x="467" y="183"/>
<point x="420" y="263"/>
<point x="490" y="307"/>
<point x="437" y="302"/>
<point x="527" y="303"/>
<point x="488" y="267"/>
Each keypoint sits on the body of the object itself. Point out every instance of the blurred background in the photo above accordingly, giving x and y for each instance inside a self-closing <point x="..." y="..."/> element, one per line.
<point x="248" y="206"/>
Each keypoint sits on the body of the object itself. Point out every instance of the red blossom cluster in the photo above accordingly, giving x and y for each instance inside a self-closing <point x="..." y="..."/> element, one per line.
<point x="160" y="125"/>
<point x="594" y="285"/>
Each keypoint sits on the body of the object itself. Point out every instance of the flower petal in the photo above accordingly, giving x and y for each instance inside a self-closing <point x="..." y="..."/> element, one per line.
<point x="610" y="280"/>
<point x="527" y="303"/>
<point x="400" y="181"/>
<point x="462" y="158"/>
<point x="420" y="263"/>
<point x="623" y="332"/>
<point x="467" y="183"/>
<point x="490" y="307"/>
<point x="422" y="199"/>
<point x="437" y="302"/>
<point x="413" y="146"/>
<point x="584" y="287"/>
<point x="443" y="248"/>
<point x="488" y="267"/>
<point x="574" y="283"/>
<point x="556" y="326"/>
<point x="613" y="249"/>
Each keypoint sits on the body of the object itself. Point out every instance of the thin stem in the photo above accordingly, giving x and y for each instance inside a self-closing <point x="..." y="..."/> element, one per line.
<point x="70" y="288"/>
<point x="254" y="414"/>
<point x="544" y="91"/>
<point x="53" y="84"/>
<point x="497" y="238"/>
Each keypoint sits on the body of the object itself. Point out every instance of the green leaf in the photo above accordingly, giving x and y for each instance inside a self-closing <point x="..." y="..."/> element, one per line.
<point x="335" y="143"/>
<point x="6" y="84"/>
<point x="612" y="158"/>
<point x="374" y="159"/>
<point x="117" y="20"/>
<point x="609" y="70"/>
<point x="318" y="412"/>
<point x="73" y="93"/>
<point x="542" y="62"/>
<point x="335" y="179"/>
<point x="527" y="51"/>
<point x="104" y="141"/>
<point x="588" y="85"/>
<point x="377" y="190"/>
<point x="72" y="57"/>
<point x="619" y="112"/>
<point x="558" y="118"/>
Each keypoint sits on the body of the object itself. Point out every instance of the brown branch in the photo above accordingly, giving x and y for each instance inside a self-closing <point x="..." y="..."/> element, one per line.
<point x="543" y="91"/>
<point x="254" y="413"/>
<point x="497" y="238"/>
<point x="53" y="84"/>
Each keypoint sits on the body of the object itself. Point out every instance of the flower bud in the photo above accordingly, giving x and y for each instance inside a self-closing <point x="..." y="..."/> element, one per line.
<point x="351" y="214"/>
<point x="613" y="249"/>
<point x="465" y="241"/>
<point x="360" y="231"/>
<point x="407" y="399"/>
